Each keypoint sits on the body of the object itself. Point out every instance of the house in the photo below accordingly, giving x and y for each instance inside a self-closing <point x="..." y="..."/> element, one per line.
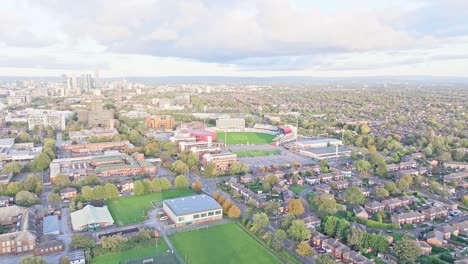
<point x="312" y="180"/>
<point x="17" y="242"/>
<point x="192" y="209"/>
<point x="322" y="188"/>
<point x="407" y="218"/>
<point x="337" y="176"/>
<point x="435" y="239"/>
<point x="361" y="212"/>
<point x="355" y="182"/>
<point x="392" y="204"/>
<point x="340" y="185"/>
<point x="326" y="177"/>
<point x="48" y="245"/>
<point x="12" y="215"/>
<point x="317" y="238"/>
<point x="377" y="182"/>
<point x="68" y="193"/>
<point x="77" y="257"/>
<point x="4" y="201"/>
<point x="456" y="165"/>
<point x="426" y="249"/>
<point x="406" y="200"/>
<point x="374" y="206"/>
<point x="246" y="179"/>
<point x="127" y="186"/>
<point x="462" y="226"/>
<point x="50" y="225"/>
<point x="311" y="221"/>
<point x="91" y="218"/>
<point x="446" y="231"/>
<point x="432" y="213"/>
<point x="366" y="192"/>
<point x="355" y="258"/>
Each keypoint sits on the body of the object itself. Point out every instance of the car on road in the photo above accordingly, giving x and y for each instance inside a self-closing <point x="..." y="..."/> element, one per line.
<point x="389" y="231"/>
<point x="164" y="218"/>
<point x="160" y="212"/>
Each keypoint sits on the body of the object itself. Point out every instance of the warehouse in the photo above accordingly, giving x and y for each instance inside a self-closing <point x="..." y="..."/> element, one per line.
<point x="325" y="152"/>
<point x="194" y="209"/>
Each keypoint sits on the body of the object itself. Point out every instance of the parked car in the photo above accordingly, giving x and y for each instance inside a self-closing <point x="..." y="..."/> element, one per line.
<point x="164" y="218"/>
<point x="160" y="212"/>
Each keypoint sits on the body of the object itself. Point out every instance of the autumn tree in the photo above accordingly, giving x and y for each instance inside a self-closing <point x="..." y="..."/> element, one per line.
<point x="197" y="186"/>
<point x="295" y="207"/>
<point x="234" y="212"/>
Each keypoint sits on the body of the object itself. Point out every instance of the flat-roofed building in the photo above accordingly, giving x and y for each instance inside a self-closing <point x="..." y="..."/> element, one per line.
<point x="194" y="209"/>
<point x="230" y="123"/>
<point x="221" y="162"/>
<point x="160" y="123"/>
<point x="325" y="152"/>
<point x="317" y="143"/>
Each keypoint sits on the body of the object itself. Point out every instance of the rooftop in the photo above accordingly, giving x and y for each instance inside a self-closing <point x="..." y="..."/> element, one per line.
<point x="192" y="204"/>
<point x="326" y="150"/>
<point x="51" y="224"/>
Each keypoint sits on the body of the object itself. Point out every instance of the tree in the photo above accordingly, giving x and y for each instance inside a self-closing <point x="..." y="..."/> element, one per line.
<point x="30" y="184"/>
<point x="304" y="249"/>
<point x="391" y="187"/>
<point x="13" y="167"/>
<point x="234" y="212"/>
<point x="295" y="207"/>
<point x="156" y="185"/>
<point x="138" y="188"/>
<point x="238" y="168"/>
<point x="286" y="222"/>
<point x="298" y="231"/>
<point x="33" y="260"/>
<point x="271" y="207"/>
<point x="165" y="184"/>
<point x="381" y="192"/>
<point x="90" y="179"/>
<point x="99" y="192"/>
<point x="260" y="221"/>
<point x="83" y="242"/>
<point x="145" y="234"/>
<point x="342" y="229"/>
<point x="114" y="242"/>
<point x="87" y="193"/>
<point x="354" y="196"/>
<point x="382" y="170"/>
<point x="14" y="187"/>
<point x="61" y="180"/>
<point x="135" y="137"/>
<point x="41" y="162"/>
<point x="355" y="237"/>
<point x="147" y="186"/>
<point x="269" y="181"/>
<point x="326" y="204"/>
<point x="216" y="195"/>
<point x="111" y="191"/>
<point x="330" y="225"/>
<point x="26" y="199"/>
<point x="197" y="186"/>
<point x="226" y="205"/>
<point x="180" y="167"/>
<point x="362" y="166"/>
<point x="407" y="250"/>
<point x="465" y="200"/>
<point x="181" y="182"/>
<point x="209" y="170"/>
<point x="64" y="260"/>
<point x="325" y="259"/>
<point x="53" y="198"/>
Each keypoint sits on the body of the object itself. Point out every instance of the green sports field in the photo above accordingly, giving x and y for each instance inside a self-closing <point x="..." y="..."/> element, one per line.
<point x="150" y="251"/>
<point x="257" y="153"/>
<point x="132" y="209"/>
<point x="237" y="138"/>
<point x="227" y="244"/>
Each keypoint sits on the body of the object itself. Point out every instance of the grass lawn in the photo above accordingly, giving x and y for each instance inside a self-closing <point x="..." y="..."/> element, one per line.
<point x="221" y="244"/>
<point x="132" y="209"/>
<point x="297" y="189"/>
<point x="257" y="153"/>
<point x="237" y="138"/>
<point x="148" y="251"/>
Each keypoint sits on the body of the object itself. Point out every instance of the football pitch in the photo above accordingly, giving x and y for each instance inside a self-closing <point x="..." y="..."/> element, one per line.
<point x="237" y="138"/>
<point x="227" y="244"/>
<point x="132" y="209"/>
<point x="257" y="153"/>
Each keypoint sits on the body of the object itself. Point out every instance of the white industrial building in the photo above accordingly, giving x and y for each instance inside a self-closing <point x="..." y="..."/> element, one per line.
<point x="192" y="209"/>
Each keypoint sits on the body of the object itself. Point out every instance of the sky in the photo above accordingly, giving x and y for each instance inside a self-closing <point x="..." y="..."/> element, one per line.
<point x="247" y="38"/>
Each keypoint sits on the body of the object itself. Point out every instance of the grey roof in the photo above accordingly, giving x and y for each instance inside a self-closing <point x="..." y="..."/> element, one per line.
<point x="76" y="255"/>
<point x="192" y="204"/>
<point x="51" y="224"/>
<point x="326" y="150"/>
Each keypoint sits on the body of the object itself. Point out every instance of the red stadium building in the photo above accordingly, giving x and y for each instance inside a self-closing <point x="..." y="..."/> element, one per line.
<point x="203" y="134"/>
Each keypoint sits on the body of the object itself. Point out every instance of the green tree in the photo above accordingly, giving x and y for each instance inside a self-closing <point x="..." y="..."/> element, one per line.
<point x="304" y="249"/>
<point x="342" y="229"/>
<point x="26" y="199"/>
<point x="40" y="163"/>
<point x="238" y="168"/>
<point x="64" y="260"/>
<point x="165" y="184"/>
<point x="325" y="259"/>
<point x="99" y="192"/>
<point x="391" y="187"/>
<point x="465" y="200"/>
<point x="298" y="231"/>
<point x="181" y="182"/>
<point x="82" y="242"/>
<point x="156" y="185"/>
<point x="138" y="188"/>
<point x="30" y="184"/>
<point x="326" y="204"/>
<point x="355" y="237"/>
<point x="113" y="243"/>
<point x="135" y="137"/>
<point x="260" y="221"/>
<point x="286" y="221"/>
<point x="14" y="187"/>
<point x="295" y="207"/>
<point x="363" y="167"/>
<point x="381" y="192"/>
<point x="407" y="250"/>
<point x="87" y="193"/>
<point x="269" y="181"/>
<point x="13" y="167"/>
<point x="180" y="167"/>
<point x="90" y="179"/>
<point x="354" y="196"/>
<point x="111" y="191"/>
<point x="61" y="180"/>
<point x="53" y="198"/>
<point x="271" y="207"/>
<point x="33" y="260"/>
<point x="209" y="170"/>
<point x="330" y="226"/>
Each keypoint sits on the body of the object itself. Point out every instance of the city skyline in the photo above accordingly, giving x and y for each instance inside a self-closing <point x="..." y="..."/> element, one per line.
<point x="245" y="38"/>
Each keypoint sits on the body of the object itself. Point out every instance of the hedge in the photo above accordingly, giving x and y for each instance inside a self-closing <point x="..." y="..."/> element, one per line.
<point x="375" y="224"/>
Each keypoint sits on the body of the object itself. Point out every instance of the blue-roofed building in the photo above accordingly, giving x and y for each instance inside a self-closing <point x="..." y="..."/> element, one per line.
<point x="50" y="225"/>
<point x="192" y="209"/>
